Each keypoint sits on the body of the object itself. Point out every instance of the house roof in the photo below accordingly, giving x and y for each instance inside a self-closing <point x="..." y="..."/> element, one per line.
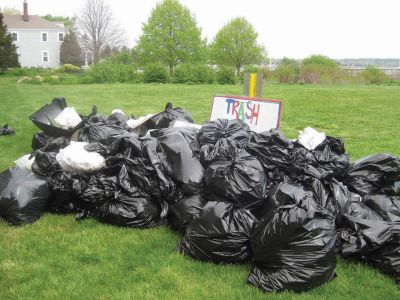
<point x="35" y="22"/>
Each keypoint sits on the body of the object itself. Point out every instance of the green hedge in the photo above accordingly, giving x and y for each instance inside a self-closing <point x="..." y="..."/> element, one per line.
<point x="188" y="73"/>
<point x="108" y="72"/>
<point x="155" y="73"/>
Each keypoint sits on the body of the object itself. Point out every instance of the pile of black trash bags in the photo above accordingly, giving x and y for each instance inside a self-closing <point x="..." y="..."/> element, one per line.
<point x="236" y="196"/>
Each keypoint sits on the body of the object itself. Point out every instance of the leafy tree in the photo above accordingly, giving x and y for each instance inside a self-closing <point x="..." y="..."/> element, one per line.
<point x="70" y="50"/>
<point x="320" y="60"/>
<point x="236" y="45"/>
<point x="170" y="37"/>
<point x="8" y="51"/>
<point x="319" y="68"/>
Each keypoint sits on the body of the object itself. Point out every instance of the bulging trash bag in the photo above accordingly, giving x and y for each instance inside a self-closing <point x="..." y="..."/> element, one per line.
<point x="116" y="200"/>
<point x="100" y="132"/>
<point x="186" y="210"/>
<point x="216" y="132"/>
<point x="39" y="140"/>
<point x="61" y="200"/>
<point x="23" y="196"/>
<point x="68" y="118"/>
<point x="388" y="207"/>
<point x="6" y="130"/>
<point x="45" y="117"/>
<point x="282" y="157"/>
<point x="118" y="119"/>
<point x="220" y="234"/>
<point x="293" y="245"/>
<point x="374" y="241"/>
<point x="369" y="175"/>
<point x="45" y="163"/>
<point x="139" y="212"/>
<point x="310" y="138"/>
<point x="272" y="148"/>
<point x="180" y="156"/>
<point x="166" y="117"/>
<point x="75" y="159"/>
<point x="238" y="177"/>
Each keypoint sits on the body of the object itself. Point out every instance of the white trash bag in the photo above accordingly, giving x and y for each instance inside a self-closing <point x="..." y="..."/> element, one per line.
<point x="24" y="162"/>
<point x="310" y="138"/>
<point x="184" y="124"/>
<point x="133" y="123"/>
<point x="75" y="159"/>
<point x="117" y="110"/>
<point x="68" y="118"/>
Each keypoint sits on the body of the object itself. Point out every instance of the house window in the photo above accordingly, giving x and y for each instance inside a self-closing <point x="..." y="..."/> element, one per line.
<point x="44" y="36"/>
<point x="45" y="56"/>
<point x="61" y="36"/>
<point x="14" y="36"/>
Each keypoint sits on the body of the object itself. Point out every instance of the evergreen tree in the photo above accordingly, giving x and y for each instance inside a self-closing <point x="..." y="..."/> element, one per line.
<point x="70" y="51"/>
<point x="8" y="51"/>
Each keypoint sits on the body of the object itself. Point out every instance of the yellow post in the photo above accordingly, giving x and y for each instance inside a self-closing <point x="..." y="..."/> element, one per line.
<point x="252" y="84"/>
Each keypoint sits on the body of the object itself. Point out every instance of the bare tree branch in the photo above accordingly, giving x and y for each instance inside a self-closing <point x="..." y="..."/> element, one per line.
<point x="97" y="28"/>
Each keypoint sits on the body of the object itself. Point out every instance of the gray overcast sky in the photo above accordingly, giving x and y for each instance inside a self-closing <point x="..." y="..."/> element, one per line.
<point x="337" y="28"/>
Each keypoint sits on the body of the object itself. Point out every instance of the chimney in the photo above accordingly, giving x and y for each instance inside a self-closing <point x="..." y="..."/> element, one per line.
<point x="25" y="17"/>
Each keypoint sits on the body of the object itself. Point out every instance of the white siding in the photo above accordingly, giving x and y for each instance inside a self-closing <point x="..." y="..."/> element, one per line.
<point x="30" y="47"/>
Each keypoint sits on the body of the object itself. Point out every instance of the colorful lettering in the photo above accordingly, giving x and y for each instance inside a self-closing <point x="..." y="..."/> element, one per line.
<point x="229" y="101"/>
<point x="244" y="110"/>
<point x="256" y="111"/>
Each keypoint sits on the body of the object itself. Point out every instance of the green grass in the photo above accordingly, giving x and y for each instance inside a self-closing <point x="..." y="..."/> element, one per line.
<point x="57" y="257"/>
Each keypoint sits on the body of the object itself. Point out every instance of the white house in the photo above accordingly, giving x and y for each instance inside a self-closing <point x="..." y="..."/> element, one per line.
<point x="38" y="41"/>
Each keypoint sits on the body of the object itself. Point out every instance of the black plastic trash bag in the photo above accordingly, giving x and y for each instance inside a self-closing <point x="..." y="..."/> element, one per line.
<point x="45" y="117"/>
<point x="293" y="244"/>
<point x="186" y="210"/>
<point x="23" y="196"/>
<point x="282" y="157"/>
<point x="218" y="131"/>
<point x="373" y="241"/>
<point x="39" y="140"/>
<point x="115" y="200"/>
<point x="180" y="157"/>
<point x="61" y="198"/>
<point x="101" y="133"/>
<point x="6" y="130"/>
<point x="388" y="207"/>
<point x="238" y="177"/>
<point x="164" y="119"/>
<point x="117" y="119"/>
<point x="45" y="163"/>
<point x="221" y="234"/>
<point x="371" y="174"/>
<point x="331" y="156"/>
<point x="272" y="148"/>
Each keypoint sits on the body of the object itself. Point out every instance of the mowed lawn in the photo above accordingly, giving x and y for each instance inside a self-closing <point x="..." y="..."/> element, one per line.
<point x="58" y="258"/>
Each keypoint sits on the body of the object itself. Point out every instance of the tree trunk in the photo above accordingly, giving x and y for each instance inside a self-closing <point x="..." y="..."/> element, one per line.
<point x="96" y="56"/>
<point x="238" y="70"/>
<point x="171" y="70"/>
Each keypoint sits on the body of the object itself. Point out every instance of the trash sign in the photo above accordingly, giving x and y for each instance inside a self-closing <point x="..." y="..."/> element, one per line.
<point x="259" y="113"/>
